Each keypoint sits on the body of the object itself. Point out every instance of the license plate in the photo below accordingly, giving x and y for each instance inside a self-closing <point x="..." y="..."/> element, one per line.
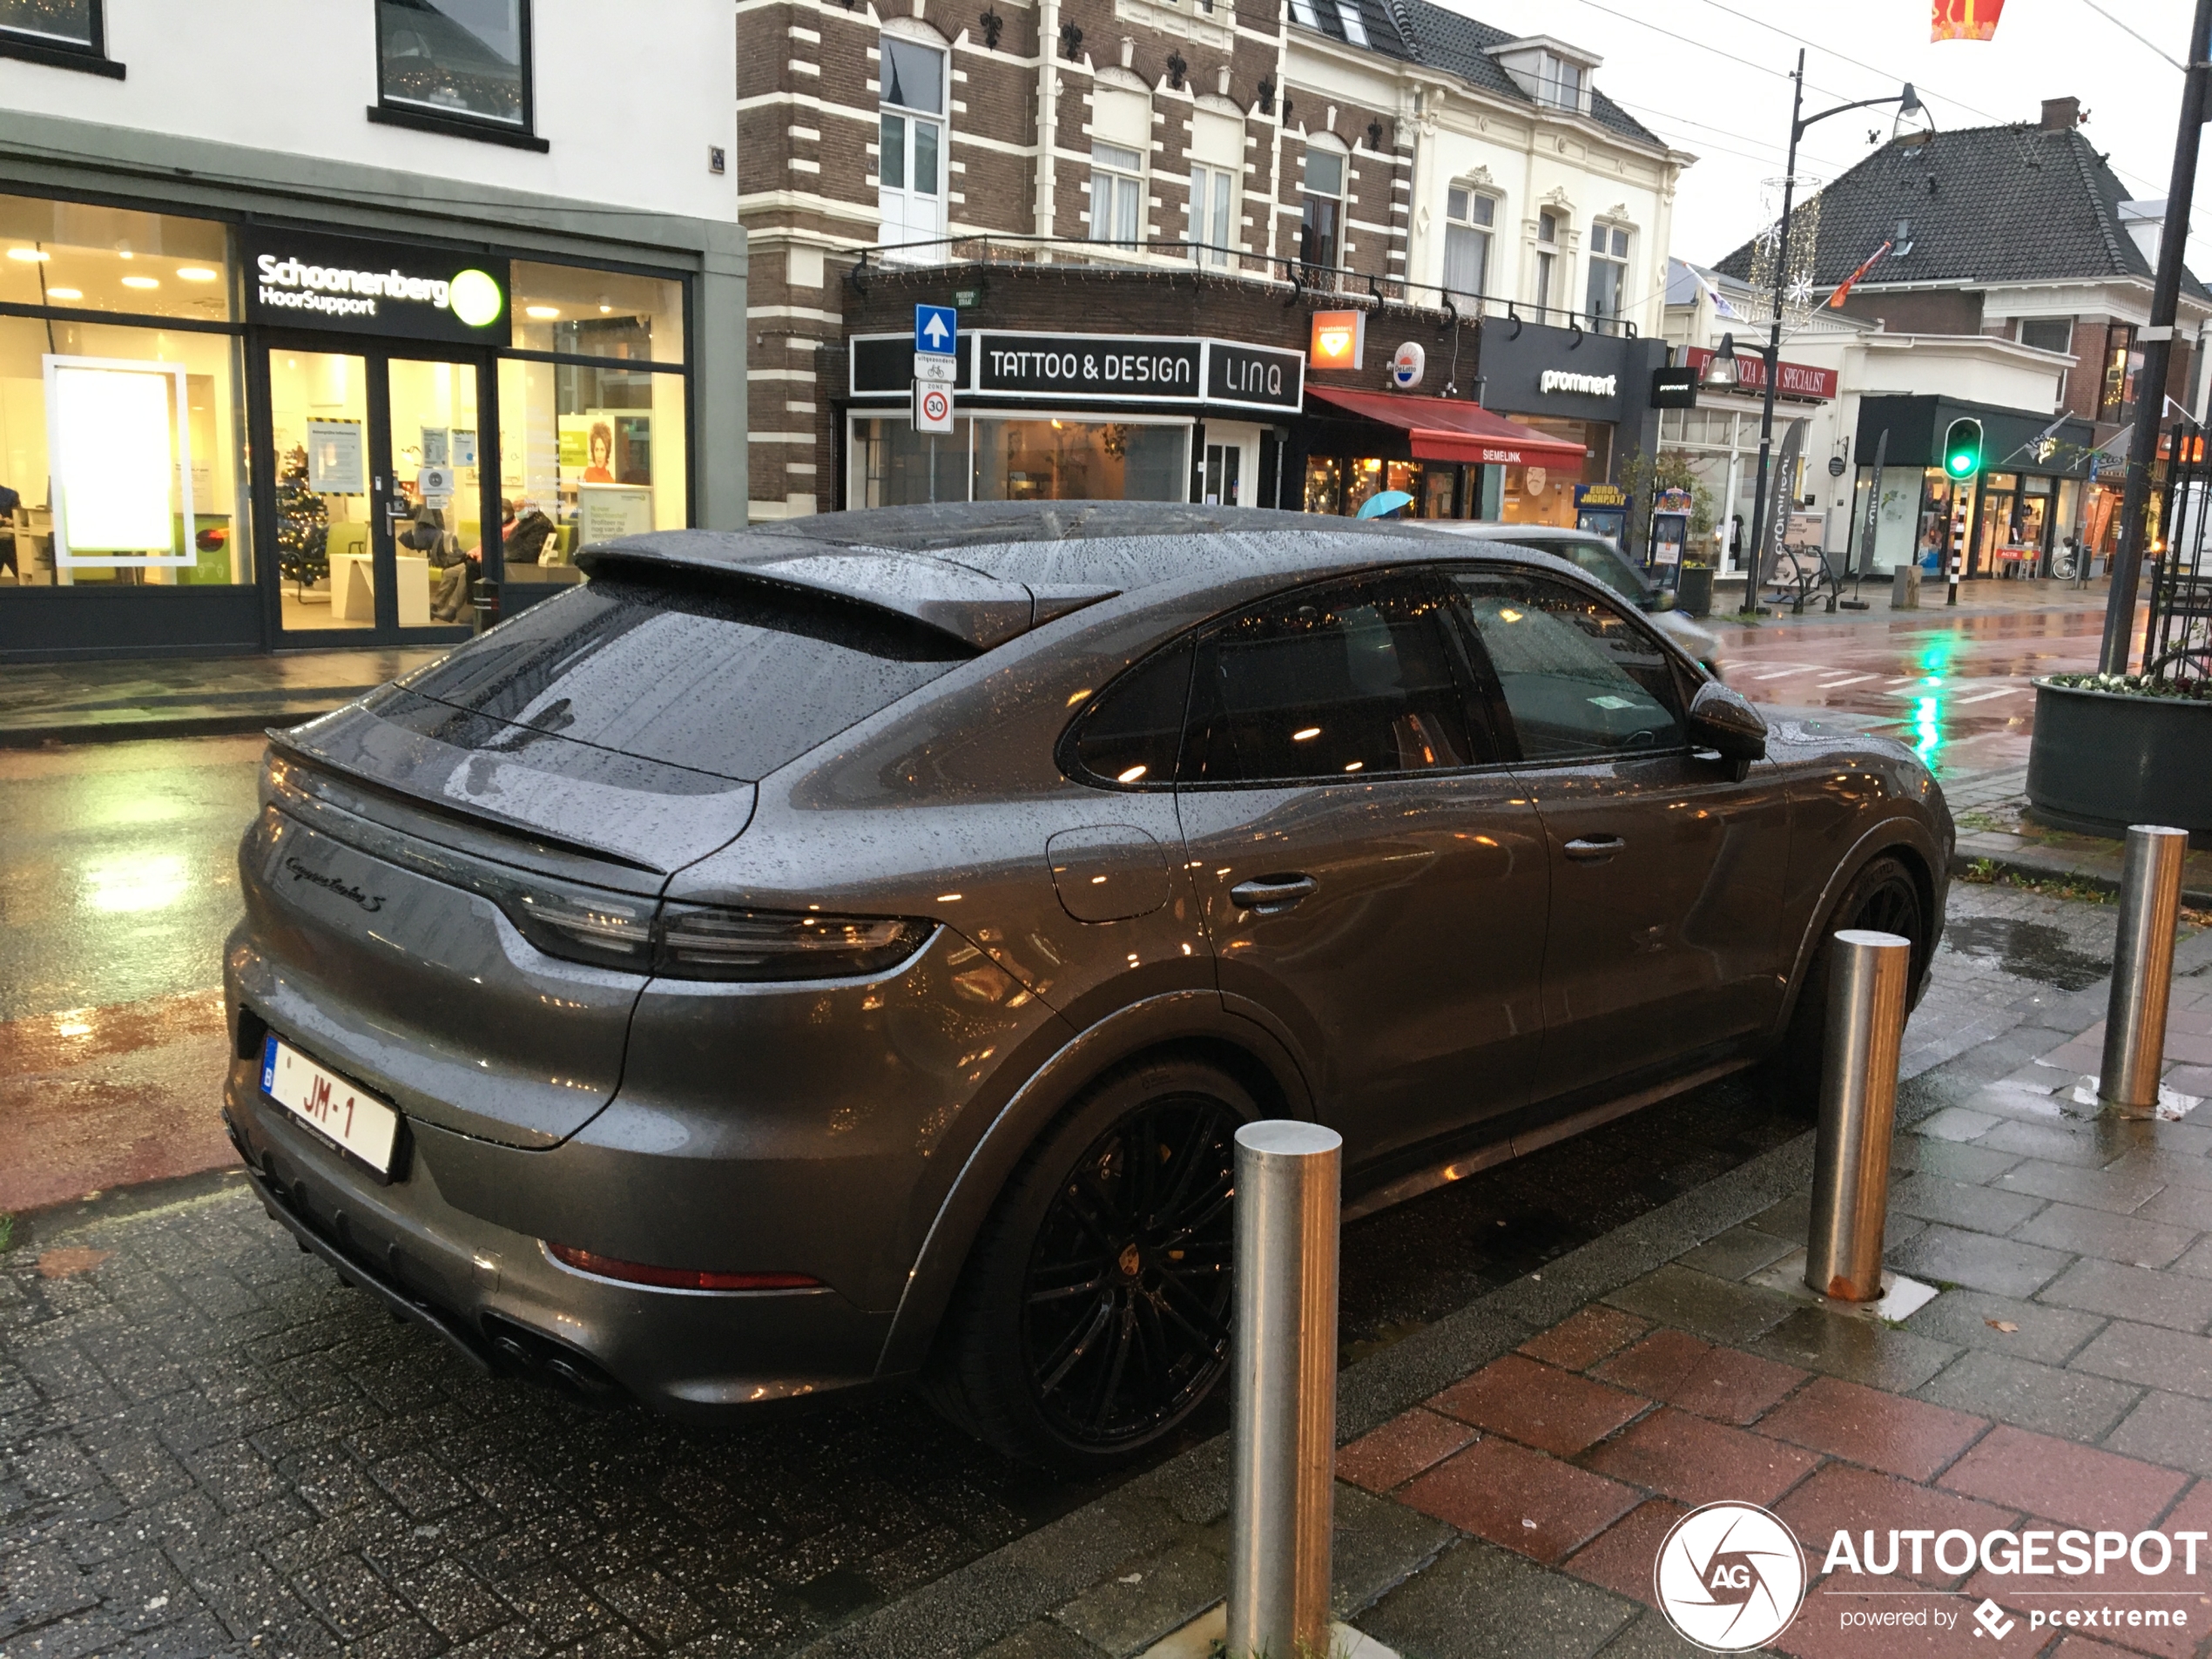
<point x="360" y="1124"/>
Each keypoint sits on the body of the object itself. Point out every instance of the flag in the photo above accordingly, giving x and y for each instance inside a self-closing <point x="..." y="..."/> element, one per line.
<point x="1965" y="19"/>
<point x="1720" y="307"/>
<point x="1836" y="300"/>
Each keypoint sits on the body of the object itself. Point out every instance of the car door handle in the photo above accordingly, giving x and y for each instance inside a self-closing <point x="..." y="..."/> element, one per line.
<point x="1270" y="895"/>
<point x="1595" y="848"/>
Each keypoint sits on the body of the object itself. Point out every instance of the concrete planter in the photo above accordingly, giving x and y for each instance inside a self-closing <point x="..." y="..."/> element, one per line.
<point x="2102" y="760"/>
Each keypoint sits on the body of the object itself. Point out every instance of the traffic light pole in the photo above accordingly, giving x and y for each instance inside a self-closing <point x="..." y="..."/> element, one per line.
<point x="1958" y="532"/>
<point x="2158" y="344"/>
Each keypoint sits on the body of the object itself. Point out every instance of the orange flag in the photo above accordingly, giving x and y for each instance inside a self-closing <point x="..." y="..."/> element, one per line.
<point x="1965" y="19"/>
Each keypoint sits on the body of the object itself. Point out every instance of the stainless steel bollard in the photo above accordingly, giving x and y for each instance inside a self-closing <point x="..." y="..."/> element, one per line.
<point x="1851" y="1161"/>
<point x="2142" y="968"/>
<point x="1289" y="1192"/>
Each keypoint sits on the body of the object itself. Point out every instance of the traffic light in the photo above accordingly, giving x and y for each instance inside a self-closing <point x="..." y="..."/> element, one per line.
<point x="1962" y="448"/>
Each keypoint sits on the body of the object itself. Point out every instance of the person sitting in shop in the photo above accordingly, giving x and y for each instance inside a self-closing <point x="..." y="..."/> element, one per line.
<point x="426" y="534"/>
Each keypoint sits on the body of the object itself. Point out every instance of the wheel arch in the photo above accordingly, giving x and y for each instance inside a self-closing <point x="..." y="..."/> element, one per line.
<point x="1904" y="839"/>
<point x="1183" y="1024"/>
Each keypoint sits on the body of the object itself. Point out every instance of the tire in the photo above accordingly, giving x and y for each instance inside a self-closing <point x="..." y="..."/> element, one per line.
<point x="1883" y="897"/>
<point x="1094" y="1315"/>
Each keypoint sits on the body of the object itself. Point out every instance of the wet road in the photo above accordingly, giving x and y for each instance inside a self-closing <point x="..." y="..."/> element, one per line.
<point x="219" y="1442"/>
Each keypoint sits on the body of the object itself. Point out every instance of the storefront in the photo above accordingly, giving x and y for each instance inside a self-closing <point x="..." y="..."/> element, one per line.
<point x="1073" y="417"/>
<point x="231" y="433"/>
<point x="1720" y="440"/>
<point x="1451" y="455"/>
<point x="2033" y="494"/>
<point x="1583" y="391"/>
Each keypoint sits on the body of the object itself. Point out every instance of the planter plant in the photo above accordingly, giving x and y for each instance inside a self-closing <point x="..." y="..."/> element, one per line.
<point x="2112" y="749"/>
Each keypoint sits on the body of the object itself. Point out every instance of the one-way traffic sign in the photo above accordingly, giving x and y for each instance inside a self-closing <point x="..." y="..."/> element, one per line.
<point x="936" y="329"/>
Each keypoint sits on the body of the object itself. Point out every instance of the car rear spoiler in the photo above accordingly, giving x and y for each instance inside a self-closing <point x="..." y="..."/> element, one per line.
<point x="973" y="607"/>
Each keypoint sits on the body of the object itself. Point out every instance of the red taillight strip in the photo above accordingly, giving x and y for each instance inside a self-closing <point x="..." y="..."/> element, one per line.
<point x="676" y="1278"/>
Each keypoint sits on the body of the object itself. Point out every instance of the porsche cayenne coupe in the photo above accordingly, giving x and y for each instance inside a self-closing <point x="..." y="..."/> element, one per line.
<point x="842" y="953"/>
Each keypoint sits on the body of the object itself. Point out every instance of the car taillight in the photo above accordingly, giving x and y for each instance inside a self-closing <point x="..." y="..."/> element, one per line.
<point x="705" y="942"/>
<point x="676" y="1278"/>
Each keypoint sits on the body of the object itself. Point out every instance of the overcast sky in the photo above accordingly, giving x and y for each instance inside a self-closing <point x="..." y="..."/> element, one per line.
<point x="1707" y="79"/>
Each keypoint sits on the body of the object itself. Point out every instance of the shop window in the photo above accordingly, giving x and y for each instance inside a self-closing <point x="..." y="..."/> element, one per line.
<point x="1609" y="276"/>
<point x="599" y="451"/>
<point x="73" y="256"/>
<point x="910" y="170"/>
<point x="896" y="466"/>
<point x="1548" y="283"/>
<point x="1468" y="218"/>
<point x="581" y="313"/>
<point x="1048" y="460"/>
<point x="1116" y="195"/>
<point x="1321" y="208"/>
<point x="465" y="61"/>
<point x="122" y="447"/>
<point x="1323" y="484"/>
<point x="1213" y="199"/>
<point x="2122" y="362"/>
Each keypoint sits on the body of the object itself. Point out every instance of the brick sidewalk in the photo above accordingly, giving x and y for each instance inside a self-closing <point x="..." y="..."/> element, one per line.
<point x="1996" y="824"/>
<point x="1509" y="1473"/>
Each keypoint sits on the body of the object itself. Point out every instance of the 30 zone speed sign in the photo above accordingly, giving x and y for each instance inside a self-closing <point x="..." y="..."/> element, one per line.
<point x="933" y="406"/>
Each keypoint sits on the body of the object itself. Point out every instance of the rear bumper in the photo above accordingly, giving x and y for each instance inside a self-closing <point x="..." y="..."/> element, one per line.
<point x="497" y="1298"/>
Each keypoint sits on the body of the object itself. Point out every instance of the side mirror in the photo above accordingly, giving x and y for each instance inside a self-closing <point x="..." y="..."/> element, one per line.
<point x="1723" y="721"/>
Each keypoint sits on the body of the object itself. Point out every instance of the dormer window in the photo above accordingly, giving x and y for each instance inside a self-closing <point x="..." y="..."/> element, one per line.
<point x="1559" y="82"/>
<point x="1302" y="11"/>
<point x="1552" y="74"/>
<point x="1355" y="29"/>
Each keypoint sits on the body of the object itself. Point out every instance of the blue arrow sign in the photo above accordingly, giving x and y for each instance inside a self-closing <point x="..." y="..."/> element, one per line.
<point x="936" y="329"/>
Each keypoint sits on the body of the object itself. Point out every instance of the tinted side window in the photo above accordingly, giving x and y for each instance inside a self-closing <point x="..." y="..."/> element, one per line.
<point x="1607" y="567"/>
<point x="1133" y="731"/>
<point x="1326" y="684"/>
<point x="1579" y="678"/>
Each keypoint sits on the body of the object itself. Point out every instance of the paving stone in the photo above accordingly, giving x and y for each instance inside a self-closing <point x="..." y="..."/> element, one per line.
<point x="1042" y="1640"/>
<point x="1956" y="1204"/>
<point x="1712" y="1307"/>
<point x="1377" y="1546"/>
<point x="1400" y="1449"/>
<point x="2120" y="1190"/>
<point x="2077" y="1486"/>
<point x="1977" y="1320"/>
<point x="2083" y="1231"/>
<point x="2043" y="1398"/>
<point x="1725" y="1384"/>
<point x="1694" y="1460"/>
<point x="2196" y="1261"/>
<point x="1977" y="1261"/>
<point x="2180" y="1206"/>
<point x="1532" y="1504"/>
<point x="1882" y="1430"/>
<point x="1538" y="1405"/>
<point x="2151" y="1356"/>
<point x="1737" y="1254"/>
<point x="2123" y="1291"/>
<point x="2095" y="1145"/>
<point x="1146" y="1599"/>
<point x="1620" y="1557"/>
<point x="2171" y="1429"/>
<point x="1483" y="1602"/>
<point x="1841" y="1498"/>
<point x="1856" y="1348"/>
<point x="1957" y="1124"/>
<point x="1959" y="1161"/>
<point x="2170" y="1167"/>
<point x="1585" y="1336"/>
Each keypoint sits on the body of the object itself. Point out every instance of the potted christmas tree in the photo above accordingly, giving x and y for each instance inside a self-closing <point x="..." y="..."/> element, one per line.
<point x="303" y="526"/>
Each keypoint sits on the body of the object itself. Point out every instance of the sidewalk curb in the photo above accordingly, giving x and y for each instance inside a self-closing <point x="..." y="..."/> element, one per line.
<point x="2039" y="866"/>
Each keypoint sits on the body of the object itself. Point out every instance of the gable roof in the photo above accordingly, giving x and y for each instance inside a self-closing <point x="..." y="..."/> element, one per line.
<point x="1984" y="205"/>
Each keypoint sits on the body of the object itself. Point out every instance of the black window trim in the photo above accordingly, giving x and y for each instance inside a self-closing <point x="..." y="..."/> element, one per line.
<point x="1507" y="735"/>
<point x="91" y="58"/>
<point x="523" y="135"/>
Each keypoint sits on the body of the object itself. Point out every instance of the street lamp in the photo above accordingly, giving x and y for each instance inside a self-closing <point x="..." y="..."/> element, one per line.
<point x="1911" y="117"/>
<point x="1721" y="373"/>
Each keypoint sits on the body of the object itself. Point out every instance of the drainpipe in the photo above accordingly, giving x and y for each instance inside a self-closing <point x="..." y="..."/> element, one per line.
<point x="1048" y="111"/>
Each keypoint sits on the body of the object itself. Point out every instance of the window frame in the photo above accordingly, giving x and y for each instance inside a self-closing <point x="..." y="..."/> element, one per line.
<point x="911" y="116"/>
<point x="1485" y="235"/>
<point x="55" y="51"/>
<point x="1119" y="175"/>
<point x="423" y="118"/>
<point x="1309" y="197"/>
<point x="1601" y="258"/>
<point x="1219" y="198"/>
<point x="1505" y="734"/>
<point x="1355" y="25"/>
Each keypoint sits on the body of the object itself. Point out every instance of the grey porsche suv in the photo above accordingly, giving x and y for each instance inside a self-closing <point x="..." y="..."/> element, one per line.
<point x="842" y="953"/>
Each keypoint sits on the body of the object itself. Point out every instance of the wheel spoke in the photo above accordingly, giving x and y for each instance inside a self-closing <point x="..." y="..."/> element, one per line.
<point x="1075" y="1345"/>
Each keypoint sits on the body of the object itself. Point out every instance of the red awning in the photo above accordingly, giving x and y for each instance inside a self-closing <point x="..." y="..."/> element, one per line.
<point x="1447" y="428"/>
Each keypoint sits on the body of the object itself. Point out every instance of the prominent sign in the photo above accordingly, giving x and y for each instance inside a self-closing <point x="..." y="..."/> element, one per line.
<point x="1338" y="339"/>
<point x="306" y="280"/>
<point x="1006" y="366"/>
<point x="1407" y="364"/>
<point x="1564" y="374"/>
<point x="1568" y="380"/>
<point x="936" y="329"/>
<point x="932" y="408"/>
<point x="1798" y="380"/>
<point x="1674" y="387"/>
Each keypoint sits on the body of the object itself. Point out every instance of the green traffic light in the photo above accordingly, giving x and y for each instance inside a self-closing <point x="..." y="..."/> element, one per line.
<point x="1962" y="450"/>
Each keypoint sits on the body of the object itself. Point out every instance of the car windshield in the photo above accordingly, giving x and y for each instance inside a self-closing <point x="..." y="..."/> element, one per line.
<point x="731" y="679"/>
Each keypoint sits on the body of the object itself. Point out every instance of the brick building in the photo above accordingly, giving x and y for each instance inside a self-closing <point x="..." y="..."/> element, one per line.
<point x="1138" y="206"/>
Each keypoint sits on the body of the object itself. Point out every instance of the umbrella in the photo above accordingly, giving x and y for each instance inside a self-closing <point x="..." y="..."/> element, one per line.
<point x="1383" y="505"/>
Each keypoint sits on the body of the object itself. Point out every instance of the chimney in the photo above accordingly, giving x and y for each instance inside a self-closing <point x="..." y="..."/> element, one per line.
<point x="2061" y="114"/>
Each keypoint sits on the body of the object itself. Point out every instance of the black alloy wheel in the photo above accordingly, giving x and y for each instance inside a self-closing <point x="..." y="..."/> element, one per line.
<point x="1882" y="898"/>
<point x="1889" y="902"/>
<point x="1125" y="1307"/>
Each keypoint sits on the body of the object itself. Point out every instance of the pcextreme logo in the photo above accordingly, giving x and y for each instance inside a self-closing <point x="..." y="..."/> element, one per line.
<point x="1729" y="1577"/>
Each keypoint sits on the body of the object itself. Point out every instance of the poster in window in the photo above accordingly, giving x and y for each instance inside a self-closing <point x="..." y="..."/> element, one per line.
<point x="120" y="459"/>
<point x="607" y="512"/>
<point x="336" y="465"/>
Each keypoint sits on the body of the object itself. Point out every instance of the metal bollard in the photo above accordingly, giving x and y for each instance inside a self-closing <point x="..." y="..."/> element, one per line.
<point x="1850" y="1160"/>
<point x="1289" y="1191"/>
<point x="2142" y="968"/>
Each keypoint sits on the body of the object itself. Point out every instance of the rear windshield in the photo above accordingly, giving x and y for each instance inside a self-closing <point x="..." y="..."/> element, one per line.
<point x="734" y="679"/>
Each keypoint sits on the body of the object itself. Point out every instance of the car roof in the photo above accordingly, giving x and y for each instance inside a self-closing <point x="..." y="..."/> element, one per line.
<point x="987" y="571"/>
